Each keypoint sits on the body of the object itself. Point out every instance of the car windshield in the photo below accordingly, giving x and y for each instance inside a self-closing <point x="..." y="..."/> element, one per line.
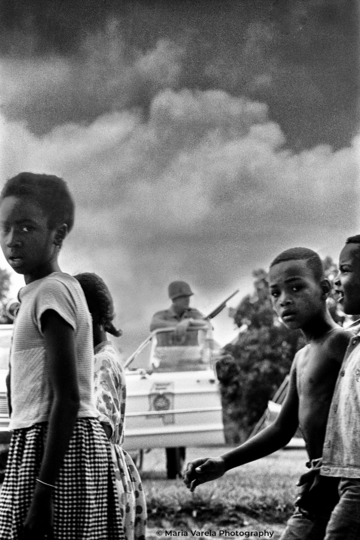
<point x="5" y="341"/>
<point x="193" y="353"/>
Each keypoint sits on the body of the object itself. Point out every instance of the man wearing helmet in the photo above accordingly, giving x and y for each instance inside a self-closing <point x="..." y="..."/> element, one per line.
<point x="183" y="318"/>
<point x="179" y="315"/>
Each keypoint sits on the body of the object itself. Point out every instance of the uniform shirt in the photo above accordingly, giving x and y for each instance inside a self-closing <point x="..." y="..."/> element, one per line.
<point x="171" y="316"/>
<point x="31" y="392"/>
<point x="341" y="453"/>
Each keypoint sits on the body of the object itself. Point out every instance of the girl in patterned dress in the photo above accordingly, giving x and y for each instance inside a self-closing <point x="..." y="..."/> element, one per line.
<point x="110" y="394"/>
<point x="59" y="481"/>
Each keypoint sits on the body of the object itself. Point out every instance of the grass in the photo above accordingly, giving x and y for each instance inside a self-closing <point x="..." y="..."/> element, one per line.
<point x="263" y="490"/>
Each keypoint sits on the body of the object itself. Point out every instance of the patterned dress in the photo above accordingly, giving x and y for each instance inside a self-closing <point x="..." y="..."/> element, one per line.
<point x="83" y="505"/>
<point x="110" y="395"/>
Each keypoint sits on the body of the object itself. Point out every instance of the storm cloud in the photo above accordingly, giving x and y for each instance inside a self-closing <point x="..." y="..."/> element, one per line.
<point x="198" y="140"/>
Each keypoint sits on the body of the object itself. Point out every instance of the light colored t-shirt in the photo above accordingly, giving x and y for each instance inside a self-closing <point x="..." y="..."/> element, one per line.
<point x="31" y="393"/>
<point x="341" y="452"/>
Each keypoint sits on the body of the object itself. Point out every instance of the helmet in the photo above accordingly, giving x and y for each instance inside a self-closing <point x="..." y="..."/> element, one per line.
<point x="179" y="288"/>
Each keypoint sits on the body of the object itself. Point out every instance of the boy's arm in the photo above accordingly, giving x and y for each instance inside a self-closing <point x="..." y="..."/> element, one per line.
<point x="273" y="438"/>
<point x="61" y="361"/>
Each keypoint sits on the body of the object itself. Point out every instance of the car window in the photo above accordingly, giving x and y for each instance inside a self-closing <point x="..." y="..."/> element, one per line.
<point x="179" y="359"/>
<point x="191" y="355"/>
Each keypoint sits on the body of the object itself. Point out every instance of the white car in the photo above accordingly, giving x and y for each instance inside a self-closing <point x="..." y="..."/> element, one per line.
<point x="172" y="404"/>
<point x="175" y="402"/>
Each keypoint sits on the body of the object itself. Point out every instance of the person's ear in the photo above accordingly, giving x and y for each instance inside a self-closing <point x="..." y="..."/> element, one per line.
<point x="325" y="287"/>
<point x="60" y="234"/>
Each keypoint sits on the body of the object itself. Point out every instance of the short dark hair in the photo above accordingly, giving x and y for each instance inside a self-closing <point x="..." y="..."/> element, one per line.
<point x="312" y="259"/>
<point x="99" y="300"/>
<point x="50" y="192"/>
<point x="354" y="240"/>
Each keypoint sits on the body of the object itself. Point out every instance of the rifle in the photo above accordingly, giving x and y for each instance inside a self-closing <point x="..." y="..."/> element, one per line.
<point x="217" y="310"/>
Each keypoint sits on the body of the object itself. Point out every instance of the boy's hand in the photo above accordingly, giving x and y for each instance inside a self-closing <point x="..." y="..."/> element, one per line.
<point x="38" y="522"/>
<point x="203" y="470"/>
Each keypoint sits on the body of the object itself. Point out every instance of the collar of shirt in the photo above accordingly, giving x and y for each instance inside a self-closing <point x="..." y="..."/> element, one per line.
<point x="185" y="314"/>
<point x="355" y="329"/>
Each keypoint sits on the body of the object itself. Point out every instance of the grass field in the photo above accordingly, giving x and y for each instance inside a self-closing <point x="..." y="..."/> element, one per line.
<point x="256" y="497"/>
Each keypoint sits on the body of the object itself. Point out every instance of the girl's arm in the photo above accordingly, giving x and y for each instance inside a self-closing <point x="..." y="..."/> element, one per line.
<point x="61" y="361"/>
<point x="8" y="390"/>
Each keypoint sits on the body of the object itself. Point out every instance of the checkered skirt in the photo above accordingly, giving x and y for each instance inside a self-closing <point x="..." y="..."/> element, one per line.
<point x="85" y="500"/>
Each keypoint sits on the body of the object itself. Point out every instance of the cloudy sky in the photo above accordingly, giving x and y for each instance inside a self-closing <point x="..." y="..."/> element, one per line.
<point x="199" y="138"/>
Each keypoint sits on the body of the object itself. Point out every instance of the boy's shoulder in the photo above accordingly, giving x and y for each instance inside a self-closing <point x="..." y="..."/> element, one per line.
<point x="336" y="342"/>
